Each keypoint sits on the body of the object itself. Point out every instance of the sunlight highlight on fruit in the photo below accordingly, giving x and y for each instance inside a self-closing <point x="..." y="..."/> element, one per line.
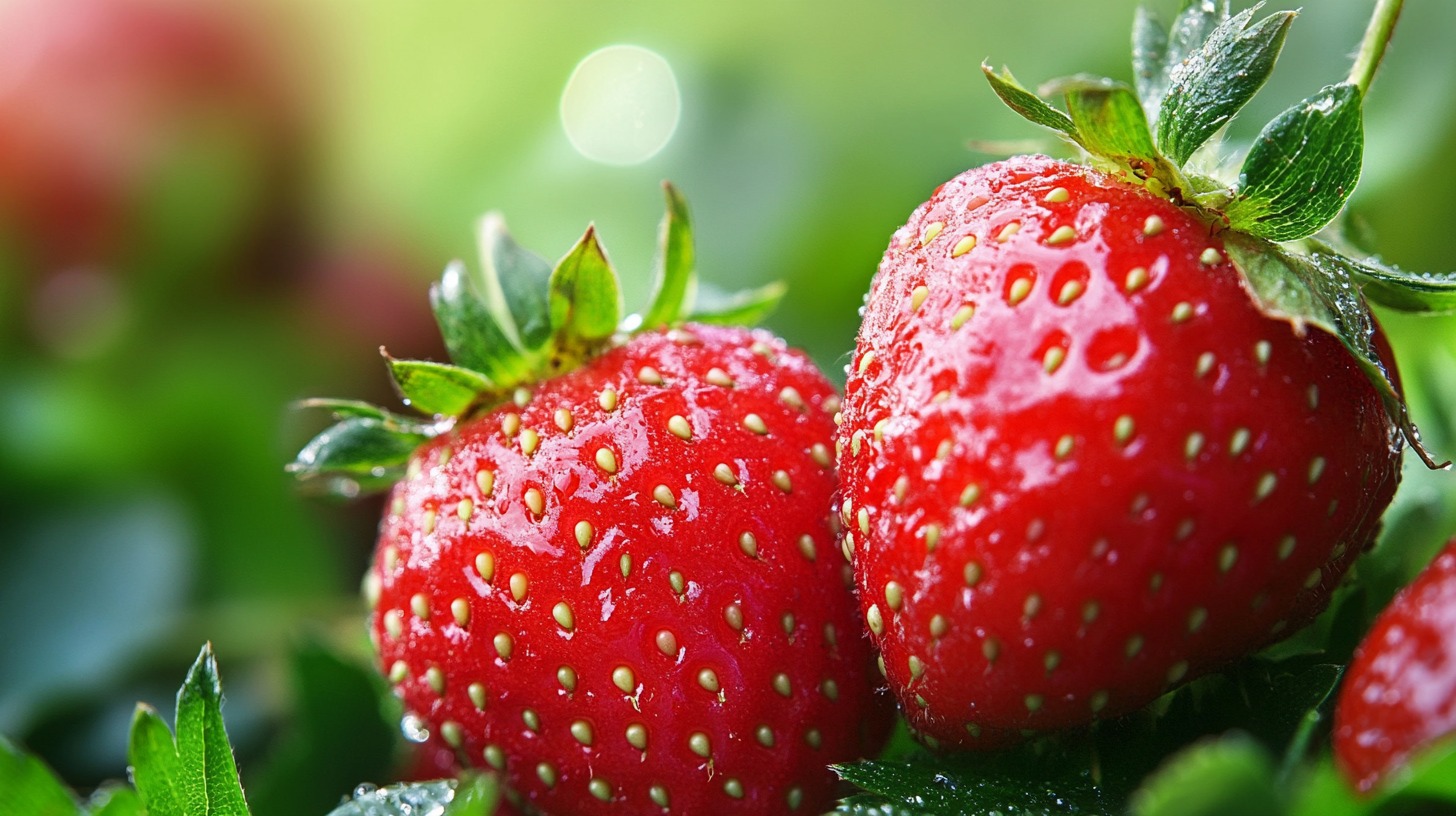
<point x="621" y="105"/>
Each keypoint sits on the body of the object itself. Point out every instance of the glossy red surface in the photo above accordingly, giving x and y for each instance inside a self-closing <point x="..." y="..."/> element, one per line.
<point x="713" y="651"/>
<point x="1079" y="465"/>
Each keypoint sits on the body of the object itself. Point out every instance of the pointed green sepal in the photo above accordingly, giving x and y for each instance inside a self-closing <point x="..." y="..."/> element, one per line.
<point x="676" y="278"/>
<point x="1302" y="168"/>
<point x="1396" y="288"/>
<point x="586" y="300"/>
<point x="742" y="308"/>
<point x="357" y="446"/>
<point x="473" y="337"/>
<point x="195" y="774"/>
<point x="1205" y="91"/>
<point x="1149" y="57"/>
<point x="513" y="284"/>
<point x="1109" y="120"/>
<point x="1307" y="290"/>
<point x="1191" y="28"/>
<point x="344" y="409"/>
<point x="1029" y="105"/>
<point x="439" y="388"/>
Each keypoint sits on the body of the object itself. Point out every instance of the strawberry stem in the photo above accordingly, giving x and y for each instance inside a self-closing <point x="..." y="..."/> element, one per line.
<point x="1372" y="46"/>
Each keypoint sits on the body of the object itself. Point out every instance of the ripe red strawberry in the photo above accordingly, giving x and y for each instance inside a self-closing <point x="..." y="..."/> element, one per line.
<point x="1399" y="694"/>
<point x="1102" y="433"/>
<point x="618" y="589"/>
<point x="1079" y="464"/>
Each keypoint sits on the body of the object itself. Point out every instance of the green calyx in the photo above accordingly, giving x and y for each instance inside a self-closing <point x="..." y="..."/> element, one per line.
<point x="509" y="323"/>
<point x="1276" y="212"/>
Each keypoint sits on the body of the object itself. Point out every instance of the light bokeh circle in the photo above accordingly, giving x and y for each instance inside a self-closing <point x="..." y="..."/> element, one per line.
<point x="621" y="105"/>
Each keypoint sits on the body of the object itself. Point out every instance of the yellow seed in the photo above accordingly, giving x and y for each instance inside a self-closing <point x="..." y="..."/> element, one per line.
<point x="520" y="586"/>
<point x="530" y="440"/>
<point x="535" y="501"/>
<point x="918" y="296"/>
<point x="699" y="743"/>
<point x="755" y="423"/>
<point x="485" y="565"/>
<point x="666" y="642"/>
<point x="1137" y="278"/>
<point x="485" y="480"/>
<point x="583" y="532"/>
<point x="725" y="474"/>
<point x="637" y="736"/>
<point x="748" y="544"/>
<point x="607" y="400"/>
<point x="679" y="427"/>
<point x="600" y="788"/>
<point x="564" y="420"/>
<point x="563" y="615"/>
<point x="1058" y="195"/>
<point x="476" y="691"/>
<point x="503" y="645"/>
<point x="624" y="679"/>
<point x="719" y="377"/>
<point x="648" y="375"/>
<point x="1152" y="226"/>
<point x="582" y="731"/>
<point x="1061" y="235"/>
<point x="465" y="509"/>
<point x="566" y="676"/>
<point x="963" y="246"/>
<point x="606" y="460"/>
<point x="664" y="497"/>
<point x="460" y="608"/>
<point x="931" y="232"/>
<point x="1007" y="232"/>
<point x="961" y="316"/>
<point x="1020" y="288"/>
<point x="708" y="679"/>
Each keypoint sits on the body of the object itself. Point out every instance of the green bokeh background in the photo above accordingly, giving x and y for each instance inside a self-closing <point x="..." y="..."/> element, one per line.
<point x="143" y="503"/>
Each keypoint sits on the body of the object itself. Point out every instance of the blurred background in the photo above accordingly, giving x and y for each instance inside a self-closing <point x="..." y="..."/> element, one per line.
<point x="209" y="210"/>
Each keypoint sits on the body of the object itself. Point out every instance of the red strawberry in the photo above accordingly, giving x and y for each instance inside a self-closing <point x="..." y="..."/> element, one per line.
<point x="1399" y="693"/>
<point x="1079" y="465"/>
<point x="618" y="589"/>
<point x="1103" y="432"/>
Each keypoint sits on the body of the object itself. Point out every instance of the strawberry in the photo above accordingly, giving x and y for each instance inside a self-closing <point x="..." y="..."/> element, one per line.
<point x="617" y="587"/>
<point x="1399" y="694"/>
<point x="1104" y="429"/>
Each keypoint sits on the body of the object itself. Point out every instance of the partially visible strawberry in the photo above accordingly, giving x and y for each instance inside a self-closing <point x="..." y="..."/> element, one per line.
<point x="1399" y="694"/>
<point x="1110" y="427"/>
<point x="618" y="588"/>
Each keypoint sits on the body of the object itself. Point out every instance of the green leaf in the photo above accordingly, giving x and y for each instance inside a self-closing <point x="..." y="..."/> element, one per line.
<point x="357" y="446"/>
<point x="28" y="787"/>
<point x="1028" y="104"/>
<point x="155" y="766"/>
<point x="406" y="800"/>
<point x="1110" y="120"/>
<point x="675" y="263"/>
<point x="1302" y="168"/>
<point x="1230" y="774"/>
<point x="1396" y="288"/>
<point x="473" y="337"/>
<point x="586" y="301"/>
<point x="344" y="409"/>
<point x="1190" y="30"/>
<point x="745" y="307"/>
<point x="1149" y="56"/>
<point x="1308" y="290"/>
<point x="438" y="388"/>
<point x="1206" y="90"/>
<point x="195" y="775"/>
<point x="513" y="284"/>
<point x="935" y="786"/>
<point x="210" y="785"/>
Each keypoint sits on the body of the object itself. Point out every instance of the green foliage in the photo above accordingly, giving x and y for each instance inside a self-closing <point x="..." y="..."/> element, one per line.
<point x="1302" y="168"/>
<point x="1207" y="89"/>
<point x="1229" y="774"/>
<point x="586" y="299"/>
<point x="195" y="775"/>
<point x="438" y="388"/>
<point x="28" y="786"/>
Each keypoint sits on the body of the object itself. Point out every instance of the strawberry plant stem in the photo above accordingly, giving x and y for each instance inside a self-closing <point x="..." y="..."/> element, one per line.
<point x="1372" y="47"/>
